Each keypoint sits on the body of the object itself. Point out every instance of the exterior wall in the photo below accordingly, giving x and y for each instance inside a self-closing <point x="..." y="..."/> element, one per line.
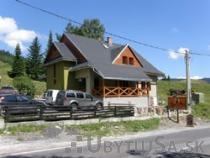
<point x="88" y="75"/>
<point x="55" y="79"/>
<point x="128" y="53"/>
<point x="137" y="101"/>
<point x="59" y="78"/>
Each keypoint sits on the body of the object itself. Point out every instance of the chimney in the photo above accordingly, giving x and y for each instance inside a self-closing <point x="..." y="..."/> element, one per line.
<point x="109" y="41"/>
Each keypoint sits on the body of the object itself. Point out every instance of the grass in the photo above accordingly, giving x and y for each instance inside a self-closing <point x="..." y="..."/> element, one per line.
<point x="201" y="110"/>
<point x="117" y="128"/>
<point x="6" y="80"/>
<point x="95" y="129"/>
<point x="23" y="128"/>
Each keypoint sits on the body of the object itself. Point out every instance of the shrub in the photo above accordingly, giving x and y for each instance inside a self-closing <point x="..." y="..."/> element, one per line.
<point x="24" y="85"/>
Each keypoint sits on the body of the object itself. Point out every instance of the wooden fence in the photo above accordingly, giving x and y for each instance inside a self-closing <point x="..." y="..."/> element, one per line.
<point x="23" y="113"/>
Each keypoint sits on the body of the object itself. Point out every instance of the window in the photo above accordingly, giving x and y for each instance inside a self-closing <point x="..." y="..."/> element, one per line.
<point x="70" y="95"/>
<point x="10" y="98"/>
<point x="125" y="60"/>
<point x="80" y="95"/>
<point x="131" y="61"/>
<point x="88" y="96"/>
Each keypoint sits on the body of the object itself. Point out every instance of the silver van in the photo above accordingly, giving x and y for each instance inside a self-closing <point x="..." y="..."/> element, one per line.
<point x="77" y="100"/>
<point x="51" y="95"/>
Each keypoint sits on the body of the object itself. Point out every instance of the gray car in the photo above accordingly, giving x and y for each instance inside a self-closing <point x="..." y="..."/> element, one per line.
<point x="77" y="100"/>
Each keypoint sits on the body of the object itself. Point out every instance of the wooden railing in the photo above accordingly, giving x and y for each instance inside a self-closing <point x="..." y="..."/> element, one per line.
<point x="119" y="91"/>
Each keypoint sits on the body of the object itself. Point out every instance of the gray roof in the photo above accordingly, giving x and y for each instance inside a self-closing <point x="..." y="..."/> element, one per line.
<point x="65" y="53"/>
<point x="100" y="57"/>
<point x="111" y="71"/>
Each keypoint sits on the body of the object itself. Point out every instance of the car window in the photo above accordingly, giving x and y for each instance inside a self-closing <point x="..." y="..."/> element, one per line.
<point x="22" y="99"/>
<point x="10" y="98"/>
<point x="70" y="95"/>
<point x="49" y="93"/>
<point x="80" y="95"/>
<point x="88" y="96"/>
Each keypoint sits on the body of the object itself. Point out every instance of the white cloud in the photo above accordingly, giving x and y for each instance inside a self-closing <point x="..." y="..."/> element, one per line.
<point x="196" y="77"/>
<point x="10" y="34"/>
<point x="177" y="54"/>
<point x="7" y="25"/>
<point x="191" y="77"/>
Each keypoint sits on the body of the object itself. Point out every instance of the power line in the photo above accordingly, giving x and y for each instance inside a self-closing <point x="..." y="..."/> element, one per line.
<point x="108" y="33"/>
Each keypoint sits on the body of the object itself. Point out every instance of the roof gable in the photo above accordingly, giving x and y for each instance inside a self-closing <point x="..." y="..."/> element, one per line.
<point x="59" y="50"/>
<point x="130" y="55"/>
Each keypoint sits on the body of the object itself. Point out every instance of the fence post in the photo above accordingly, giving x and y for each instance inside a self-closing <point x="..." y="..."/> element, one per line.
<point x="41" y="111"/>
<point x="70" y="109"/>
<point x="115" y="110"/>
<point x="95" y="109"/>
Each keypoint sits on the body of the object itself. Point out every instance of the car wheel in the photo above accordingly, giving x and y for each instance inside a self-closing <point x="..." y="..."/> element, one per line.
<point x="99" y="106"/>
<point x="74" y="106"/>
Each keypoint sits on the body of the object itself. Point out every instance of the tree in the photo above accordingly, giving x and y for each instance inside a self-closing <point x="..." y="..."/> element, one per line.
<point x="49" y="43"/>
<point x="90" y="28"/>
<point x="34" y="64"/>
<point x="18" y="65"/>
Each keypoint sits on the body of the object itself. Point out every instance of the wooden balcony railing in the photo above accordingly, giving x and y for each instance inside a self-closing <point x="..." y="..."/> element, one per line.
<point x="119" y="92"/>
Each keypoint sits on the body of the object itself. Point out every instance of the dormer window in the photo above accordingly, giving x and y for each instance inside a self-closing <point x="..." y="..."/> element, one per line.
<point x="125" y="60"/>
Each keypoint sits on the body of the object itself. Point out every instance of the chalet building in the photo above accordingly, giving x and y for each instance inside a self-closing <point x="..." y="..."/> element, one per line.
<point x="113" y="72"/>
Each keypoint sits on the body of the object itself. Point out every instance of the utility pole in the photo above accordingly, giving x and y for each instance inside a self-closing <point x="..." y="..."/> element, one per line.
<point x="188" y="81"/>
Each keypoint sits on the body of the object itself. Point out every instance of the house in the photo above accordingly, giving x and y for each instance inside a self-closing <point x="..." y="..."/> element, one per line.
<point x="113" y="72"/>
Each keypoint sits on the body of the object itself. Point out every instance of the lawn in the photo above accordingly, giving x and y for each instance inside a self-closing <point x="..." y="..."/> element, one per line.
<point x="201" y="110"/>
<point x="6" y="80"/>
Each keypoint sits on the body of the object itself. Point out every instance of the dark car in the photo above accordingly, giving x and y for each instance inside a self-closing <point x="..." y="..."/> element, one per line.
<point x="7" y="90"/>
<point x="18" y="100"/>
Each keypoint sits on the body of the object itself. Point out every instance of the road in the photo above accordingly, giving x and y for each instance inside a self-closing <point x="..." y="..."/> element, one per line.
<point x="190" y="143"/>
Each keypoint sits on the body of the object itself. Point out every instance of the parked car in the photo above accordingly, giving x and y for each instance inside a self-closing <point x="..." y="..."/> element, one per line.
<point x="17" y="100"/>
<point x="7" y="90"/>
<point x="51" y="95"/>
<point x="77" y="100"/>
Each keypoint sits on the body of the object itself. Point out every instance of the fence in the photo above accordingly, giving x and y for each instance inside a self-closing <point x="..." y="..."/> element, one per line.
<point x="23" y="113"/>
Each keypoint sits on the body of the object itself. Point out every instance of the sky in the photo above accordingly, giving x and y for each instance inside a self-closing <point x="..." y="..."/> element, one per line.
<point x="176" y="25"/>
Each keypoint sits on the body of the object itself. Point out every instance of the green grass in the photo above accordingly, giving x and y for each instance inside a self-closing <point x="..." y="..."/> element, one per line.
<point x="197" y="86"/>
<point x="95" y="129"/>
<point x="23" y="128"/>
<point x="117" y="128"/>
<point x="6" y="80"/>
<point x="201" y="110"/>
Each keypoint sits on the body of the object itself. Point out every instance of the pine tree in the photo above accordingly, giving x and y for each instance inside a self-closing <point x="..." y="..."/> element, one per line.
<point x="18" y="65"/>
<point x="34" y="62"/>
<point x="49" y="43"/>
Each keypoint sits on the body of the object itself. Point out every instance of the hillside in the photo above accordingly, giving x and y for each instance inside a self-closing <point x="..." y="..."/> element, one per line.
<point x="6" y="80"/>
<point x="197" y="86"/>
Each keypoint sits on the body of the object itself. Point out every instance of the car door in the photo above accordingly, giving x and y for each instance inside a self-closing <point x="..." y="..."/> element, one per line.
<point x="80" y="97"/>
<point x="88" y="99"/>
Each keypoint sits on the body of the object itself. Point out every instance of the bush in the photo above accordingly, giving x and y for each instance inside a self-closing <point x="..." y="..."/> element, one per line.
<point x="24" y="85"/>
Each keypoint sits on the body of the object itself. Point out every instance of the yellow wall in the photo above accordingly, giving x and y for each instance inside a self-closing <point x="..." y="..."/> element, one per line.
<point x="60" y="81"/>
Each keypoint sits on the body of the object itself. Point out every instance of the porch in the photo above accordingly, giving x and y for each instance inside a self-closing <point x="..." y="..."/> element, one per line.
<point x="116" y="88"/>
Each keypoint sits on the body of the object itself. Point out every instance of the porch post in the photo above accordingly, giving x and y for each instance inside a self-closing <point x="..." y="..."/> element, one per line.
<point x="103" y="87"/>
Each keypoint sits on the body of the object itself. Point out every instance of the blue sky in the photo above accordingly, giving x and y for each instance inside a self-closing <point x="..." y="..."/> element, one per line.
<point x="174" y="24"/>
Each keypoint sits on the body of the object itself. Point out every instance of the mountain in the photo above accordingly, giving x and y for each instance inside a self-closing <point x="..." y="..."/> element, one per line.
<point x="206" y="80"/>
